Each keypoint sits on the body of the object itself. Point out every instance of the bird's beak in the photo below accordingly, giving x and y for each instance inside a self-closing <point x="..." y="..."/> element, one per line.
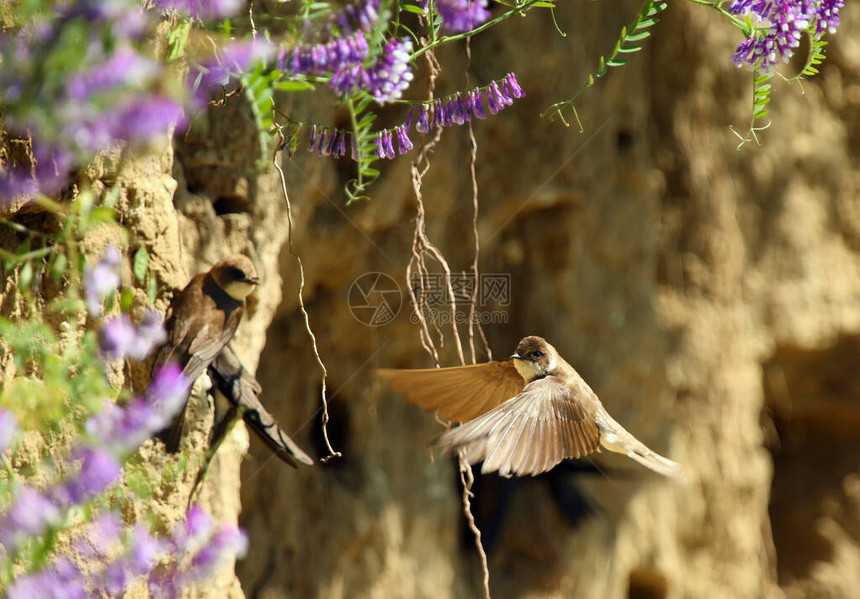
<point x="517" y="357"/>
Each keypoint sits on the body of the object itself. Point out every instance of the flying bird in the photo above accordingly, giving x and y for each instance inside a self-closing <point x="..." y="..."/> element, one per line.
<point x="521" y="416"/>
<point x="203" y="319"/>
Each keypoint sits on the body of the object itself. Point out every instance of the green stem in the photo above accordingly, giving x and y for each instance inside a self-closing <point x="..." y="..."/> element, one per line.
<point x="717" y="6"/>
<point x="467" y="34"/>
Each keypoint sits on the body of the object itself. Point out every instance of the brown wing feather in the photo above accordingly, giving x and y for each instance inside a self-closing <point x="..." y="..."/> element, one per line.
<point x="242" y="389"/>
<point x="460" y="393"/>
<point x="195" y="314"/>
<point x="529" y="434"/>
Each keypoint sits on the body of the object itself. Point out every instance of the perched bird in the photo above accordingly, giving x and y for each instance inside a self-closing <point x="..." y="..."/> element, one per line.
<point x="236" y="392"/>
<point x="522" y="415"/>
<point x="232" y="382"/>
<point x="203" y="319"/>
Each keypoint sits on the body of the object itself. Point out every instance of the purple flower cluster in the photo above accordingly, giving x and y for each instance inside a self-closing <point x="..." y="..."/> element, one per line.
<point x="200" y="549"/>
<point x="111" y="560"/>
<point x="391" y="75"/>
<point x="779" y="25"/>
<point x="8" y="429"/>
<point x="29" y="515"/>
<point x="451" y="110"/>
<point x="101" y="279"/>
<point x="98" y="92"/>
<point x="193" y="551"/>
<point x="222" y="70"/>
<point x="121" y="339"/>
<point x="461" y="15"/>
<point x="121" y="430"/>
<point x="95" y="463"/>
<point x="358" y="15"/>
<point x="205" y="10"/>
<point x="385" y="78"/>
<point x="319" y="59"/>
<point x="330" y="142"/>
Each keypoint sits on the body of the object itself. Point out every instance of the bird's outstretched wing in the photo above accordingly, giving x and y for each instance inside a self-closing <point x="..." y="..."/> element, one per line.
<point x="529" y="434"/>
<point x="241" y="389"/>
<point x="460" y="393"/>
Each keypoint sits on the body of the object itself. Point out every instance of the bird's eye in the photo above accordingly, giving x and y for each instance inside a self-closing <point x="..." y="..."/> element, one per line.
<point x="537" y="354"/>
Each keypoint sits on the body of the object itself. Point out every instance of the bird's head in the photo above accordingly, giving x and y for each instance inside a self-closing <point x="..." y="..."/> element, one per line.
<point x="236" y="276"/>
<point x="534" y="358"/>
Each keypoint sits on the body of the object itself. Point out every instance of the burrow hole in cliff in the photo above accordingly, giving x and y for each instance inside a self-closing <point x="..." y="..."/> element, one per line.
<point x="812" y="429"/>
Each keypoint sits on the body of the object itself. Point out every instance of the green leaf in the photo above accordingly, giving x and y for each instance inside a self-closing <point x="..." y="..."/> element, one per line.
<point x="413" y="9"/>
<point x="636" y="37"/>
<point x="102" y="214"/>
<point x="294" y="86"/>
<point x="126" y="300"/>
<point x="177" y="38"/>
<point x="25" y="277"/>
<point x="139" y="264"/>
<point x="152" y="290"/>
<point x="58" y="266"/>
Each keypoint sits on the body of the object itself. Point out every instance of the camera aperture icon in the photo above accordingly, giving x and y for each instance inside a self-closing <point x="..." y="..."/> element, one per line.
<point x="374" y="299"/>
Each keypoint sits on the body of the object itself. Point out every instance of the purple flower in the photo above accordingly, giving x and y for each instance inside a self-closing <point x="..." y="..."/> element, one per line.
<point x="29" y="515"/>
<point x="784" y="22"/>
<point x="8" y="429"/>
<point x="144" y="550"/>
<point x="392" y="74"/>
<point x="384" y="144"/>
<point x="467" y="106"/>
<point x="205" y="10"/>
<point x="827" y="13"/>
<point x="101" y="279"/>
<point x="513" y="87"/>
<point x="117" y="337"/>
<point x="421" y="125"/>
<point x="150" y="334"/>
<point x="340" y="146"/>
<point x="220" y="71"/>
<point x="328" y="149"/>
<point x="438" y="112"/>
<point x="102" y="534"/>
<point x="447" y="112"/>
<point x="458" y="115"/>
<point x="461" y="15"/>
<point x="403" y="142"/>
<point x="312" y="143"/>
<point x="120" y="339"/>
<point x="140" y="559"/>
<point x="501" y="93"/>
<point x="228" y="543"/>
<point x="98" y="471"/>
<point x="363" y="14"/>
<point x="478" y="103"/>
<point x="168" y="390"/>
<point x="124" y="67"/>
<point x="61" y="580"/>
<point x="340" y="56"/>
<point x="492" y="102"/>
<point x="147" y="118"/>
